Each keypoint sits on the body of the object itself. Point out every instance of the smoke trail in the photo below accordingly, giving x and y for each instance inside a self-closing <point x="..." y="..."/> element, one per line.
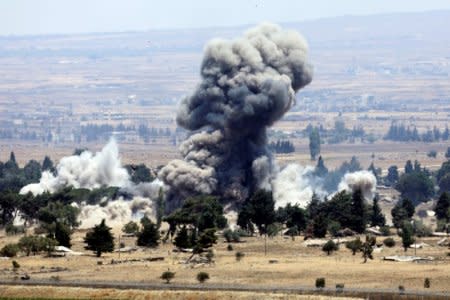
<point x="86" y="170"/>
<point x="246" y="85"/>
<point x="363" y="180"/>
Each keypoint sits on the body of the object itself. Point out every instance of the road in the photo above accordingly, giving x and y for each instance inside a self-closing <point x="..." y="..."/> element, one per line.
<point x="350" y="292"/>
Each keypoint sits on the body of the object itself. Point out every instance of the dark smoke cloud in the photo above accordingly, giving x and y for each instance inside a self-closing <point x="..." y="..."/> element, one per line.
<point x="246" y="85"/>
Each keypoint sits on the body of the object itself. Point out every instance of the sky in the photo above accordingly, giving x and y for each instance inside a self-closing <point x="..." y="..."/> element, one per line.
<point x="30" y="17"/>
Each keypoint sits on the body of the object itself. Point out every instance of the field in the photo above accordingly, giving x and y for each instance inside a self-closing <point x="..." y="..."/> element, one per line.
<point x="288" y="263"/>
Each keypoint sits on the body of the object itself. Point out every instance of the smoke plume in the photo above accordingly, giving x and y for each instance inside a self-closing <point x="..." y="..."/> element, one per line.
<point x="246" y="85"/>
<point x="87" y="170"/>
<point x="102" y="169"/>
<point x="363" y="180"/>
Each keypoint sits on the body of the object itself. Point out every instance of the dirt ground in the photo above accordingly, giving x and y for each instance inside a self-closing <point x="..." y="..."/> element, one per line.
<point x="287" y="263"/>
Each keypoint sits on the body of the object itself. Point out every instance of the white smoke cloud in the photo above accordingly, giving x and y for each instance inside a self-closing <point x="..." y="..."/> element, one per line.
<point x="116" y="213"/>
<point x="87" y="170"/>
<point x="363" y="180"/>
<point x="295" y="184"/>
<point x="102" y="169"/>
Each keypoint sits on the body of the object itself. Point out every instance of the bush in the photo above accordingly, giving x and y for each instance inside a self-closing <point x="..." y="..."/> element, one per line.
<point x="202" y="277"/>
<point x="209" y="255"/>
<point x="9" y="250"/>
<point x="239" y="255"/>
<point x="385" y="230"/>
<point x="432" y="153"/>
<point x="401" y="289"/>
<point x="15" y="265"/>
<point x="389" y="242"/>
<point x="230" y="247"/>
<point x="354" y="245"/>
<point x="232" y="236"/>
<point x="427" y="283"/>
<point x="329" y="247"/>
<point x="320" y="282"/>
<point x="167" y="276"/>
<point x="333" y="228"/>
<point x="339" y="287"/>
<point x="10" y="229"/>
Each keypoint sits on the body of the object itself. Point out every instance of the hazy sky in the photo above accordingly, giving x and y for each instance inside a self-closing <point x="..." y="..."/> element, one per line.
<point x="71" y="16"/>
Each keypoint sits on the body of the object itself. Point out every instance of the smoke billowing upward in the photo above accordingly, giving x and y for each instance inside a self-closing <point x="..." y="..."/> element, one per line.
<point x="246" y="85"/>
<point x="87" y="170"/>
<point x="102" y="169"/>
<point x="362" y="180"/>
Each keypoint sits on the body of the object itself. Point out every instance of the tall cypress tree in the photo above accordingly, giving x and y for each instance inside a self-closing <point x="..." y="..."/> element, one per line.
<point x="377" y="218"/>
<point x="358" y="212"/>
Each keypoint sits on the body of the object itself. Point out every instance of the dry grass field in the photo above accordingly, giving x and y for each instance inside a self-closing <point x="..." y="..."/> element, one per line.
<point x="86" y="293"/>
<point x="288" y="263"/>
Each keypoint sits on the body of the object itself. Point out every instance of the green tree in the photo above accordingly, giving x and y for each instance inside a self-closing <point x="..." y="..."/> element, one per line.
<point x="407" y="235"/>
<point x="205" y="240"/>
<point x="416" y="186"/>
<point x="320" y="170"/>
<point x="402" y="211"/>
<point x="182" y="239"/>
<point x="9" y="206"/>
<point x="149" y="236"/>
<point x="354" y="245"/>
<point x="408" y="167"/>
<point x="377" y="217"/>
<point x="329" y="247"/>
<point x="47" y="164"/>
<point x="9" y="250"/>
<point x="260" y="209"/>
<point x="314" y="143"/>
<point x="392" y="176"/>
<point x="99" y="239"/>
<point x="131" y="228"/>
<point x="358" y="212"/>
<point x="320" y="226"/>
<point x="442" y="207"/>
<point x="62" y="234"/>
<point x="32" y="171"/>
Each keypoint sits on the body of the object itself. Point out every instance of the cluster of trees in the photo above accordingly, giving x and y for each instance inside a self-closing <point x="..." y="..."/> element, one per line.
<point x="400" y="132"/>
<point x="338" y="134"/>
<point x="146" y="133"/>
<point x="282" y="146"/>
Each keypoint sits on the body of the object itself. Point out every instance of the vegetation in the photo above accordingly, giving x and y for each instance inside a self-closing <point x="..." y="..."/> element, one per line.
<point x="149" y="235"/>
<point x="167" y="276"/>
<point x="259" y="209"/>
<point x="354" y="245"/>
<point x="99" y="239"/>
<point x="320" y="283"/>
<point x="131" y="228"/>
<point x="389" y="242"/>
<point x="9" y="250"/>
<point x="202" y="277"/>
<point x="281" y="146"/>
<point x="407" y="235"/>
<point x="329" y="247"/>
<point x="239" y="255"/>
<point x="314" y="143"/>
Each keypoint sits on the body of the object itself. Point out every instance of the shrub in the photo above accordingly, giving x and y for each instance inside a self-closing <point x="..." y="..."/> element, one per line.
<point x="339" y="287"/>
<point x="320" y="282"/>
<point x="420" y="230"/>
<point x="401" y="289"/>
<point x="10" y="229"/>
<point x="230" y="247"/>
<point x="232" y="236"/>
<point x="9" y="250"/>
<point x="202" y="277"/>
<point x="209" y="255"/>
<point x="239" y="255"/>
<point x="385" y="230"/>
<point x="432" y="153"/>
<point x="329" y="247"/>
<point x="427" y="283"/>
<point x="167" y="276"/>
<point x="333" y="228"/>
<point x="131" y="228"/>
<point x="15" y="265"/>
<point x="389" y="242"/>
<point x="354" y="245"/>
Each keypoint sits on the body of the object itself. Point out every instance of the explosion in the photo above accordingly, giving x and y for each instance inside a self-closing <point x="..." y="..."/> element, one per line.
<point x="246" y="85"/>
